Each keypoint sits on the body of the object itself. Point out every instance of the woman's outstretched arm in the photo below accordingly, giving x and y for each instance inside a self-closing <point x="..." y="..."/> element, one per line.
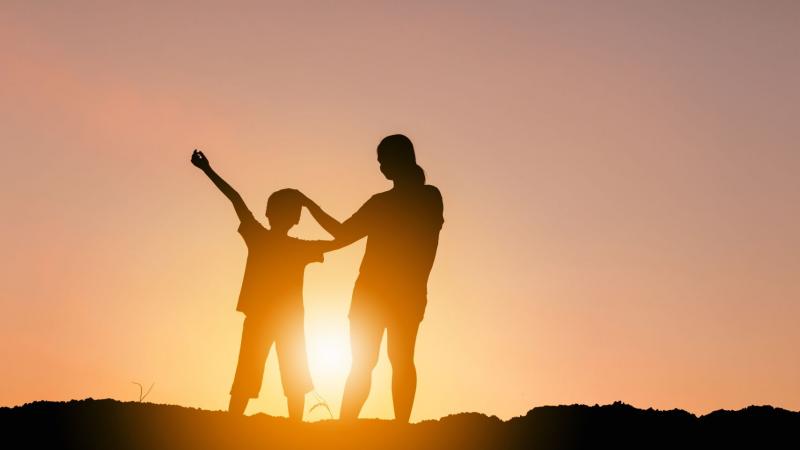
<point x="201" y="162"/>
<point x="344" y="233"/>
<point x="326" y="221"/>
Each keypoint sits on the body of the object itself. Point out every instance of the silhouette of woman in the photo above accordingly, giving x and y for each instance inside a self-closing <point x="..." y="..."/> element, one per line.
<point x="402" y="228"/>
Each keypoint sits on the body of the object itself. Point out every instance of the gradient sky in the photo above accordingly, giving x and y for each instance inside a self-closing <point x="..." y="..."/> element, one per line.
<point x="621" y="188"/>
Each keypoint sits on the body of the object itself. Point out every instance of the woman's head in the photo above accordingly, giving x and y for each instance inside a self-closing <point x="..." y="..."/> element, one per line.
<point x="397" y="159"/>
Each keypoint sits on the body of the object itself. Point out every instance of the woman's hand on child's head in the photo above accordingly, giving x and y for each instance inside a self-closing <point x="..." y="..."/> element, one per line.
<point x="307" y="202"/>
<point x="199" y="159"/>
<point x="304" y="201"/>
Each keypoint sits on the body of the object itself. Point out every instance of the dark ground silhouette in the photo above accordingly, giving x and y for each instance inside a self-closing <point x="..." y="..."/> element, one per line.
<point x="110" y="424"/>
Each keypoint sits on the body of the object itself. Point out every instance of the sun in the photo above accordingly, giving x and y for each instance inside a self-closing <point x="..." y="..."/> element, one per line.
<point x="328" y="357"/>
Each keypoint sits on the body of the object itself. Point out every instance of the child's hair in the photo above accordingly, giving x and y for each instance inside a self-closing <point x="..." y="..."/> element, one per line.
<point x="285" y="203"/>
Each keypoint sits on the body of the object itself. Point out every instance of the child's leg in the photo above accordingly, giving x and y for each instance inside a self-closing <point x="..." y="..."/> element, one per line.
<point x="290" y="345"/>
<point x="296" y="405"/>
<point x="256" y="341"/>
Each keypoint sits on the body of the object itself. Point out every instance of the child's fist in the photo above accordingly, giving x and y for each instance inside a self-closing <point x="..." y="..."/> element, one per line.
<point x="199" y="159"/>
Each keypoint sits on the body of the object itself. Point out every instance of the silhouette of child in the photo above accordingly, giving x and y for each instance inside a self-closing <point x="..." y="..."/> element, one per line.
<point x="271" y="296"/>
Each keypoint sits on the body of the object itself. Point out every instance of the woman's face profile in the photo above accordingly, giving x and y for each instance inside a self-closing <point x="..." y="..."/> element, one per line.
<point x="395" y="156"/>
<point x="388" y="164"/>
<point x="385" y="170"/>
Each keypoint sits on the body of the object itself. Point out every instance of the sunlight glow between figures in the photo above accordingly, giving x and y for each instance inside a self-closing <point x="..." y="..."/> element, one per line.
<point x="328" y="357"/>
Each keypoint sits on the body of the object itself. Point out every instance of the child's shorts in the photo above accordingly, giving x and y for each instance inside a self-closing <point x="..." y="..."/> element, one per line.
<point x="287" y="331"/>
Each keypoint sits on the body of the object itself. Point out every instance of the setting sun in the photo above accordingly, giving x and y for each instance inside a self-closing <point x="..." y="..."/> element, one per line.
<point x="328" y="356"/>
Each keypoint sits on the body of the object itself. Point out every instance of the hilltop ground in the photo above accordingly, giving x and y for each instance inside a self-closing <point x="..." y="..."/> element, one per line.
<point x="114" y="425"/>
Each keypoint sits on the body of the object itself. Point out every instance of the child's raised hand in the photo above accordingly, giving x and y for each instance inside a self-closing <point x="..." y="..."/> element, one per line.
<point x="199" y="159"/>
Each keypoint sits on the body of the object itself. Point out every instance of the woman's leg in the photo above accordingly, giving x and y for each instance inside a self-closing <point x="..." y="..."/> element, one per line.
<point x="365" y="344"/>
<point x="401" y="339"/>
<point x="238" y="404"/>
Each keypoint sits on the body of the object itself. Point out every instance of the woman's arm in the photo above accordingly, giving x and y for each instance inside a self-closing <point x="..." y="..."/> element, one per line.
<point x="201" y="162"/>
<point x="326" y="221"/>
<point x="344" y="233"/>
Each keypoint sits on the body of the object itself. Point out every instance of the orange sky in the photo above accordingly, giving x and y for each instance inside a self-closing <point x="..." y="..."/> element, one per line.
<point x="621" y="195"/>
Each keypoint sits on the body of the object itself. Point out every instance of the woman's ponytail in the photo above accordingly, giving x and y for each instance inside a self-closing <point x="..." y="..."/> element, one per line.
<point x="418" y="175"/>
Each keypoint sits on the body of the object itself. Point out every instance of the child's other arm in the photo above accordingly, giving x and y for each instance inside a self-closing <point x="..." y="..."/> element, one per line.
<point x="201" y="162"/>
<point x="328" y="246"/>
<point x="314" y="250"/>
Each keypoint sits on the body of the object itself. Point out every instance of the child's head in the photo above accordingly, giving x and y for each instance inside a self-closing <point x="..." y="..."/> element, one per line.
<point x="283" y="209"/>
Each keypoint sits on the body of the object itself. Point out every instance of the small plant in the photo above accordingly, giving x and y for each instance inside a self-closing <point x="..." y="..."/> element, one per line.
<point x="321" y="403"/>
<point x="143" y="394"/>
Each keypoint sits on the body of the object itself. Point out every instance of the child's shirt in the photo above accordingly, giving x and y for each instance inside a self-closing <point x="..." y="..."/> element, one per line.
<point x="273" y="276"/>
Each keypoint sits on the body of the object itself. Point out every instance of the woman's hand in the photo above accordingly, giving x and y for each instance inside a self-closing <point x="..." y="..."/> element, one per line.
<point x="304" y="200"/>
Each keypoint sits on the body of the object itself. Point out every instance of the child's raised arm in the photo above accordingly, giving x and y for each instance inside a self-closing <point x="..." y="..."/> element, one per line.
<point x="201" y="162"/>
